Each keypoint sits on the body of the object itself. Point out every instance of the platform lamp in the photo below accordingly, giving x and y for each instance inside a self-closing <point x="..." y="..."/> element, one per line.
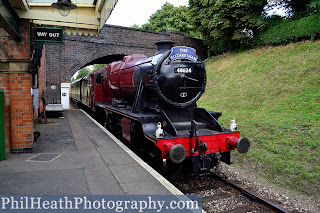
<point x="64" y="6"/>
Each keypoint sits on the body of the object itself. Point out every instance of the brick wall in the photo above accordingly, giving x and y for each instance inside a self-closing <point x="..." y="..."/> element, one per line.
<point x="14" y="49"/>
<point x="18" y="111"/>
<point x="21" y="112"/>
<point x="15" y="79"/>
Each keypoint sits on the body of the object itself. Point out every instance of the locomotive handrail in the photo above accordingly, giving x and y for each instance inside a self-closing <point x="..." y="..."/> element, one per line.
<point x="191" y="79"/>
<point x="136" y="65"/>
<point x="190" y="87"/>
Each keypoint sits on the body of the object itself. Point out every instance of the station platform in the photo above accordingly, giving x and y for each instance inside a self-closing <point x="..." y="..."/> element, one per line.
<point x="75" y="155"/>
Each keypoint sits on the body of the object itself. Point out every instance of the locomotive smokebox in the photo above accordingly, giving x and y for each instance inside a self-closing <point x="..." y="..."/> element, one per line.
<point x="164" y="45"/>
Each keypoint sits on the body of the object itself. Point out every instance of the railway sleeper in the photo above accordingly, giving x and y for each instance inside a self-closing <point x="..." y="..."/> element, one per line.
<point x="241" y="209"/>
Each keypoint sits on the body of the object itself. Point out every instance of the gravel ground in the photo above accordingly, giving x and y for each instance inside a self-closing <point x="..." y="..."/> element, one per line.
<point x="289" y="200"/>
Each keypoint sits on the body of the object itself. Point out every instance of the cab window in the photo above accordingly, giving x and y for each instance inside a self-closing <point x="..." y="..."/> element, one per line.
<point x="98" y="78"/>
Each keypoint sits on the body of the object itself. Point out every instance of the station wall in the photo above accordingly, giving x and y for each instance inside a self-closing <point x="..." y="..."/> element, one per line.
<point x="16" y="80"/>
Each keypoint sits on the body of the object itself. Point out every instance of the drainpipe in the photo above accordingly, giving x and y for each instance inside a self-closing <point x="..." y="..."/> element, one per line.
<point x="2" y="138"/>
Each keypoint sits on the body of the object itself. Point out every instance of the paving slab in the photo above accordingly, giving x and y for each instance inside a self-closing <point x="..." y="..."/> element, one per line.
<point x="54" y="182"/>
<point x="56" y="138"/>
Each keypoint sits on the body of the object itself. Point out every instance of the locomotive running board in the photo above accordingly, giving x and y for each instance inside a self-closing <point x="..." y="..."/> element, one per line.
<point x="142" y="117"/>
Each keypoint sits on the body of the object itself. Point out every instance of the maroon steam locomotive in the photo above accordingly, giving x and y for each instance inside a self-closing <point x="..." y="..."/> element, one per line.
<point x="150" y="104"/>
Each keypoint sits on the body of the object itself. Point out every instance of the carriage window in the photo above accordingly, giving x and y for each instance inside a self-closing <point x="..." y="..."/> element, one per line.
<point x="98" y="78"/>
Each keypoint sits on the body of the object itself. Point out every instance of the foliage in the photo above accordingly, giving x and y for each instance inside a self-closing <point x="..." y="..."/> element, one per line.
<point x="307" y="27"/>
<point x="83" y="72"/>
<point x="136" y="26"/>
<point x="297" y="9"/>
<point x="314" y="7"/>
<point x="228" y="24"/>
<point x="274" y="95"/>
<point x="170" y="18"/>
<point x="273" y="20"/>
<point x="98" y="66"/>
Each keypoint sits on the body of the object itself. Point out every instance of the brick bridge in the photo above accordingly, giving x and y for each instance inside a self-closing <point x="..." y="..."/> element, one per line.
<point x="63" y="61"/>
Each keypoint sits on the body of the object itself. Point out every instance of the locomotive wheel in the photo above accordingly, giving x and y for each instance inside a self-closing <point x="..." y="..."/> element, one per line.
<point x="171" y="169"/>
<point x="100" y="116"/>
<point x="186" y="165"/>
<point x="112" y="124"/>
<point x="109" y="123"/>
<point x="155" y="160"/>
<point x="135" y="137"/>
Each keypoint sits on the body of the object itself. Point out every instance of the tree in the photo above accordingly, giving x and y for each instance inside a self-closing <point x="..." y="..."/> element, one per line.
<point x="226" y="24"/>
<point x="296" y="9"/>
<point x="98" y="66"/>
<point x="83" y="72"/>
<point x="314" y="6"/>
<point x="136" y="26"/>
<point x="170" y="18"/>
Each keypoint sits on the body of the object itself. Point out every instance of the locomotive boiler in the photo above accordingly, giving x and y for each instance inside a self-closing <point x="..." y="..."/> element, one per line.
<point x="150" y="104"/>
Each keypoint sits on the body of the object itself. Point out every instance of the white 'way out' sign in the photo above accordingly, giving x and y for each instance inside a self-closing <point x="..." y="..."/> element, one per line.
<point x="48" y="34"/>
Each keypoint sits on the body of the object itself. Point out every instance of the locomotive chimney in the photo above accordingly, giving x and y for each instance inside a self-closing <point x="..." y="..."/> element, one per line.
<point x="164" y="45"/>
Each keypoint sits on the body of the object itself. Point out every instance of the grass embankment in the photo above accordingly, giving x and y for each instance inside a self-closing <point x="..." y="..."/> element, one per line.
<point x="274" y="95"/>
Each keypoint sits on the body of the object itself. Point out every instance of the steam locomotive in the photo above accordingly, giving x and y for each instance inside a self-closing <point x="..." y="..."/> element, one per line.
<point x="150" y="104"/>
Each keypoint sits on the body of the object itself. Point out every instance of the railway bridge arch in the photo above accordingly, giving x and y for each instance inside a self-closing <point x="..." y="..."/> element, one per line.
<point x="62" y="61"/>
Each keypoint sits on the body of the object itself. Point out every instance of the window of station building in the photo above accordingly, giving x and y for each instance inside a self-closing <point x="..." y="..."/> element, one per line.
<point x="98" y="78"/>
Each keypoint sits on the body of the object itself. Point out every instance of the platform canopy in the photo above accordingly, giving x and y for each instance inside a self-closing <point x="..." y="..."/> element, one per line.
<point x="88" y="18"/>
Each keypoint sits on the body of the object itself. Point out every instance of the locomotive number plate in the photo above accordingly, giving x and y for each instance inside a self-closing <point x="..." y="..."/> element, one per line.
<point x="183" y="70"/>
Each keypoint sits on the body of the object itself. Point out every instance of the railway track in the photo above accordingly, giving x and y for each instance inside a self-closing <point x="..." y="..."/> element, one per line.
<point x="222" y="195"/>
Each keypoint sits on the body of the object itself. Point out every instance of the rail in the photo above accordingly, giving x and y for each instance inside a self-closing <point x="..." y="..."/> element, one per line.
<point x="253" y="196"/>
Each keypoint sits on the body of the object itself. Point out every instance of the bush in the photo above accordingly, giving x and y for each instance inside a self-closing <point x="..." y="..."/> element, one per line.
<point x="304" y="28"/>
<point x="220" y="46"/>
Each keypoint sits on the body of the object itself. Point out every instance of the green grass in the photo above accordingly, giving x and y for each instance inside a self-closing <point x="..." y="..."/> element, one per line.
<point x="274" y="95"/>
